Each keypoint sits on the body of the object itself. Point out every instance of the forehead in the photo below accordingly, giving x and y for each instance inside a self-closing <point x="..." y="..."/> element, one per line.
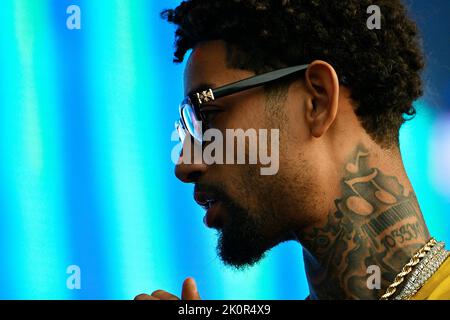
<point x="207" y="67"/>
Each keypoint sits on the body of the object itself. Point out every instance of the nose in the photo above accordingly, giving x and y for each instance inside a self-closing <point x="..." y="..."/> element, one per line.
<point x="188" y="168"/>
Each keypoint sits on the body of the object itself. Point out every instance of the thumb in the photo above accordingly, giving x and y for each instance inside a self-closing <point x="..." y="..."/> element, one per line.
<point x="190" y="291"/>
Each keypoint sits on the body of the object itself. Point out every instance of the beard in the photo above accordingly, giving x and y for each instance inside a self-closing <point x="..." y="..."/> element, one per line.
<point x="246" y="236"/>
<point x="272" y="213"/>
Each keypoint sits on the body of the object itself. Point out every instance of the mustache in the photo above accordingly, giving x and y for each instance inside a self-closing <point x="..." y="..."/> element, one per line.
<point x="216" y="190"/>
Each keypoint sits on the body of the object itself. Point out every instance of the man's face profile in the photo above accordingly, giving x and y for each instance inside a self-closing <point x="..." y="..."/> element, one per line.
<point x="243" y="205"/>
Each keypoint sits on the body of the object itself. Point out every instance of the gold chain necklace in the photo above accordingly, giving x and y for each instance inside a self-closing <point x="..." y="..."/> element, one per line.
<point x="408" y="268"/>
<point x="423" y="271"/>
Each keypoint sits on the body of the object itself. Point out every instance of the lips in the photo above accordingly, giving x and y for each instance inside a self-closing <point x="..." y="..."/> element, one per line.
<point x="209" y="201"/>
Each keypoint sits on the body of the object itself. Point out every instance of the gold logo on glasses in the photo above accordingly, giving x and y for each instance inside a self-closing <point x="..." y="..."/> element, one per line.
<point x="205" y="96"/>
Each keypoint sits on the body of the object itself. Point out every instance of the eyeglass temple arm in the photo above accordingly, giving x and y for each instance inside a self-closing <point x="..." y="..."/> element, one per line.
<point x="256" y="81"/>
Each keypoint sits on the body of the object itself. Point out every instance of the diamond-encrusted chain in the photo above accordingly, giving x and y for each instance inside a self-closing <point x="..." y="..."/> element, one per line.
<point x="423" y="271"/>
<point x="408" y="268"/>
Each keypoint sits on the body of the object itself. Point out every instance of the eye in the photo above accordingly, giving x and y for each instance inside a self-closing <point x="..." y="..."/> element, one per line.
<point x="209" y="112"/>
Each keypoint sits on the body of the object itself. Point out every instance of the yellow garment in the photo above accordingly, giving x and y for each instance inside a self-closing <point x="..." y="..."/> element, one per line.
<point x="438" y="286"/>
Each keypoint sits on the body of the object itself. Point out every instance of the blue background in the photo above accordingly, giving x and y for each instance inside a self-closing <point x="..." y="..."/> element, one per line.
<point x="86" y="176"/>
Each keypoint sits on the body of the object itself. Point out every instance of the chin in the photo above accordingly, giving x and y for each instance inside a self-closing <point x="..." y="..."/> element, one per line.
<point x="241" y="254"/>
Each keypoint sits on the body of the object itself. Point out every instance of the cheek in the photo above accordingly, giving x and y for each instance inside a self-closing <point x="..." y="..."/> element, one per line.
<point x="243" y="119"/>
<point x="241" y="181"/>
<point x="246" y="111"/>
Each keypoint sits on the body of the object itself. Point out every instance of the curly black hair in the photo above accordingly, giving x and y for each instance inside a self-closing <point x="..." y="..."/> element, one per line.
<point x="381" y="67"/>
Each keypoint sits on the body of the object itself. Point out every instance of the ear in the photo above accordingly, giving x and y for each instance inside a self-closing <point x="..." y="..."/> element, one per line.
<point x="323" y="85"/>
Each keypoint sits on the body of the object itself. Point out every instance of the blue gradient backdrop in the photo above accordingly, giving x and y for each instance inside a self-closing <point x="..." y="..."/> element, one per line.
<point x="86" y="118"/>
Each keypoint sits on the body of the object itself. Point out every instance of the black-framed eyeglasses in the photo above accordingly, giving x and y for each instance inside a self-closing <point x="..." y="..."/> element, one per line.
<point x="191" y="117"/>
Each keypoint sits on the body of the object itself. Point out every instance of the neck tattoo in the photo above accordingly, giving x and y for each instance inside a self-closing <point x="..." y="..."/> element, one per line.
<point x="375" y="225"/>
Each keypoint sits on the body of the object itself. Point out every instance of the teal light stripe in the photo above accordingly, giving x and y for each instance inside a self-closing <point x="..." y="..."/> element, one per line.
<point x="33" y="156"/>
<point x="440" y="155"/>
<point x="439" y="173"/>
<point x="255" y="283"/>
<point x="7" y="201"/>
<point x="127" y="154"/>
<point x="415" y="144"/>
